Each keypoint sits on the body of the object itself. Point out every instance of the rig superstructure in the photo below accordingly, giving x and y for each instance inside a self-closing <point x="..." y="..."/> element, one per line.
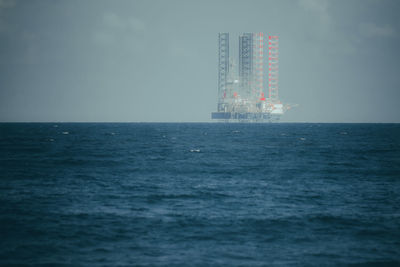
<point x="242" y="93"/>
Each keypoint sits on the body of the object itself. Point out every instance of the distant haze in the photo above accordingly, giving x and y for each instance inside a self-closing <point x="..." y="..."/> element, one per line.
<point x="157" y="60"/>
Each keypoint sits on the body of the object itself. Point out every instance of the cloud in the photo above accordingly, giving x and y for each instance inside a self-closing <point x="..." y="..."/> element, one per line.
<point x="314" y="5"/>
<point x="116" y="22"/>
<point x="103" y="38"/>
<point x="324" y="26"/>
<point x="115" y="28"/>
<point x="136" y="24"/>
<point x="318" y="7"/>
<point x="4" y="4"/>
<point x="113" y="21"/>
<point x="7" y="3"/>
<point x="371" y="30"/>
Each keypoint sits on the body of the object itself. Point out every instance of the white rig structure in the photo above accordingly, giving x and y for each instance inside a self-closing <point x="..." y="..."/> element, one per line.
<point x="241" y="91"/>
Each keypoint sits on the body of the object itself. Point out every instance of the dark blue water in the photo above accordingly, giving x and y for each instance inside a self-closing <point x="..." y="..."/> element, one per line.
<point x="200" y="194"/>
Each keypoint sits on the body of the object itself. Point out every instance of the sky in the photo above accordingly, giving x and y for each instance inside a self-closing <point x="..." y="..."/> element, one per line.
<point x="156" y="60"/>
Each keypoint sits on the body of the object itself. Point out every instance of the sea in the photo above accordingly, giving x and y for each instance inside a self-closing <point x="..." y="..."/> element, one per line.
<point x="199" y="194"/>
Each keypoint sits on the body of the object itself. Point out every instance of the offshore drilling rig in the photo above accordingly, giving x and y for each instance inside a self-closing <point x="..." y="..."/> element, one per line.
<point x="241" y="91"/>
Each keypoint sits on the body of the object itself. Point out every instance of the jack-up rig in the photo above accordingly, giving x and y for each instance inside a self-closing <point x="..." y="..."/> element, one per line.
<point x="241" y="91"/>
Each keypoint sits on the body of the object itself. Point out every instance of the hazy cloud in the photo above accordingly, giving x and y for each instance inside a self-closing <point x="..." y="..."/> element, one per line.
<point x="7" y="3"/>
<point x="114" y="27"/>
<point x="373" y="30"/>
<point x="136" y="24"/>
<point x="318" y="8"/>
<point x="4" y="4"/>
<point x="157" y="60"/>
<point x="103" y="38"/>
<point x="116" y="22"/>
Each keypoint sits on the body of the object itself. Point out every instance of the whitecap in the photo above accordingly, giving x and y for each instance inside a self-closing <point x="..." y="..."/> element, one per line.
<point x="194" y="150"/>
<point x="65" y="132"/>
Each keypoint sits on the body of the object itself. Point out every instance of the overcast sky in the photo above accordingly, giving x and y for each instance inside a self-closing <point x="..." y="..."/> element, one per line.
<point x="157" y="60"/>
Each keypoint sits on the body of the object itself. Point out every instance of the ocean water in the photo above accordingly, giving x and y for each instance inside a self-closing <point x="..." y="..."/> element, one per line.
<point x="199" y="194"/>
